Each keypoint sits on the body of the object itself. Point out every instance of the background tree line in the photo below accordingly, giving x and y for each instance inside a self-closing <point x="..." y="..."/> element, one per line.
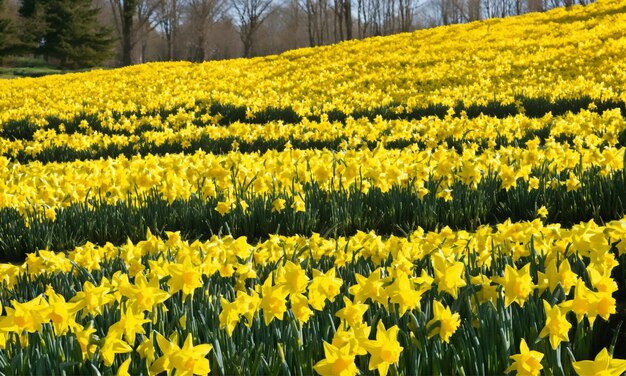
<point x="84" y="33"/>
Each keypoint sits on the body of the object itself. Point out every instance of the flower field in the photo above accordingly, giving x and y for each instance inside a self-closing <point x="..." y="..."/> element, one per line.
<point x="446" y="202"/>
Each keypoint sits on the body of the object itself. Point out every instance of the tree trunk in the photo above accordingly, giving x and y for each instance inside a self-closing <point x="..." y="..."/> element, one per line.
<point x="347" y="13"/>
<point x="338" y="24"/>
<point x="247" y="46"/>
<point x="128" y="12"/>
<point x="310" y="13"/>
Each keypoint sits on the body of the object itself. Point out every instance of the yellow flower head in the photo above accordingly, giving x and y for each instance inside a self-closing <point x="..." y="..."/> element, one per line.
<point x="527" y="362"/>
<point x="300" y="307"/>
<point x="518" y="284"/>
<point x="602" y="365"/>
<point x="187" y="360"/>
<point x="337" y="362"/>
<point x="324" y="286"/>
<point x="444" y="322"/>
<point x="556" y="326"/>
<point x="355" y="336"/>
<point x="293" y="278"/>
<point x="385" y="350"/>
<point x="130" y="325"/>
<point x="449" y="276"/>
<point x="371" y="287"/>
<point x="273" y="301"/>
<point x="542" y="211"/>
<point x="352" y="313"/>
<point x="229" y="316"/>
<point x="185" y="277"/>
<point x="278" y="205"/>
<point x="111" y="346"/>
<point x="402" y="292"/>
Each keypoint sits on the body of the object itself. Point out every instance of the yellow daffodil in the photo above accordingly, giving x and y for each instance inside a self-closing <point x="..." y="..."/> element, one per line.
<point x="371" y="287"/>
<point x="527" y="362"/>
<point x="402" y="292"/>
<point x="129" y="325"/>
<point x="273" y="301"/>
<point x="112" y="346"/>
<point x="385" y="350"/>
<point x="356" y="337"/>
<point x="229" y="316"/>
<point x="278" y="205"/>
<point x="444" y="323"/>
<point x="542" y="211"/>
<point x="325" y="286"/>
<point x="556" y="326"/>
<point x="61" y="314"/>
<point x="293" y="277"/>
<point x="337" y="362"/>
<point x="449" y="276"/>
<point x="602" y="365"/>
<point x="298" y="204"/>
<point x="123" y="369"/>
<point x="185" y="277"/>
<point x="85" y="338"/>
<point x="187" y="360"/>
<point x="300" y="307"/>
<point x="352" y="313"/>
<point x="146" y="349"/>
<point x="517" y="284"/>
<point x="93" y="298"/>
<point x="583" y="300"/>
<point x="144" y="295"/>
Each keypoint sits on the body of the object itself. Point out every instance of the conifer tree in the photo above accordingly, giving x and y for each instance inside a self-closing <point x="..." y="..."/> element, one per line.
<point x="8" y="39"/>
<point x="67" y="31"/>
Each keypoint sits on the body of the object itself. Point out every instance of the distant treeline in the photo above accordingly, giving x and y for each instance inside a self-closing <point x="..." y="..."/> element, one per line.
<point x="85" y="33"/>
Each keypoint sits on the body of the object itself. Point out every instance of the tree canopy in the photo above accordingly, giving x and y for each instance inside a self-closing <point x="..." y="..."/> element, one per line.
<point x="66" y="30"/>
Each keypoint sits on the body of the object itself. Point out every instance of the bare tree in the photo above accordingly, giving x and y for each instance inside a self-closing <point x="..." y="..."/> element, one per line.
<point x="309" y="8"/>
<point x="209" y="29"/>
<point x="251" y="14"/>
<point x="405" y="12"/>
<point x="473" y="10"/>
<point x="168" y="14"/>
<point x="327" y="21"/>
<point x="452" y="11"/>
<point x="535" y="5"/>
<point x="124" y="14"/>
<point x="133" y="20"/>
<point x="294" y="23"/>
<point x="363" y="20"/>
<point x="201" y="15"/>
<point x="346" y="9"/>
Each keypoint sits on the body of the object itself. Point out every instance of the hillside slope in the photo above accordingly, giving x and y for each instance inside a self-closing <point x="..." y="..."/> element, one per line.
<point x="446" y="202"/>
<point x="563" y="53"/>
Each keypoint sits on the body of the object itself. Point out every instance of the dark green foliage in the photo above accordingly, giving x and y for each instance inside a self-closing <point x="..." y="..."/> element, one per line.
<point x="484" y="349"/>
<point x="33" y="23"/>
<point x="398" y="211"/>
<point x="532" y="107"/>
<point x="9" y="42"/>
<point x="67" y="31"/>
<point x="19" y="130"/>
<point x="28" y="8"/>
<point x="622" y="138"/>
<point x="5" y="33"/>
<point x="231" y="114"/>
<point x="24" y="129"/>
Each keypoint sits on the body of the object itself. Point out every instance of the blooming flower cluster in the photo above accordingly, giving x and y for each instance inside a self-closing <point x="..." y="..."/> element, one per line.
<point x="449" y="201"/>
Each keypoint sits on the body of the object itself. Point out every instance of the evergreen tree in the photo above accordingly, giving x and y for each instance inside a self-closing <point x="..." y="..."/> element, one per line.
<point x="32" y="23"/>
<point x="8" y="39"/>
<point x="67" y="30"/>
